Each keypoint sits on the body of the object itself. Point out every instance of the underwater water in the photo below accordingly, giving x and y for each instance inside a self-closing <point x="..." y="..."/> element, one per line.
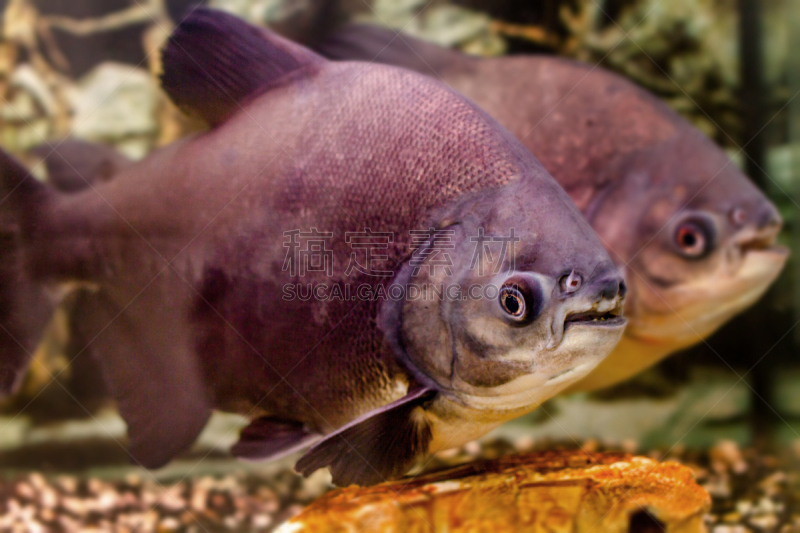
<point x="722" y="399"/>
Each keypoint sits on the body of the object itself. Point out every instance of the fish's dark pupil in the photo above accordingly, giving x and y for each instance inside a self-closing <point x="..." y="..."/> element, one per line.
<point x="512" y="302"/>
<point x="693" y="239"/>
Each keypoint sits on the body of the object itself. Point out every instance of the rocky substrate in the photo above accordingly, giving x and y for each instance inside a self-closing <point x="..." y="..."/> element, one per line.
<point x="751" y="492"/>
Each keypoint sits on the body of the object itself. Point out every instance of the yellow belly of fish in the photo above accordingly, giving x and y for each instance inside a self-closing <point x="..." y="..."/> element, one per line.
<point x="453" y="424"/>
<point x="630" y="357"/>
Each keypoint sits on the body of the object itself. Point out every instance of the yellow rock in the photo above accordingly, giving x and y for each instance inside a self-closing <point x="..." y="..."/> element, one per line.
<point x="549" y="492"/>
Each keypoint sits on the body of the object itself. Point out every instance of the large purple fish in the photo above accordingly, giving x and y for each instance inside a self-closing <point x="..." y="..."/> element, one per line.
<point x="695" y="237"/>
<point x="227" y="272"/>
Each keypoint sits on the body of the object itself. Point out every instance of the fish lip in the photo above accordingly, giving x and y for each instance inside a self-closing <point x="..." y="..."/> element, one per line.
<point x="608" y="323"/>
<point x="596" y="319"/>
<point x="608" y="319"/>
<point x="759" y="240"/>
<point x="777" y="250"/>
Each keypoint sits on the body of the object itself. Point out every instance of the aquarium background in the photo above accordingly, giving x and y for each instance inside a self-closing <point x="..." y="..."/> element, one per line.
<point x="88" y="69"/>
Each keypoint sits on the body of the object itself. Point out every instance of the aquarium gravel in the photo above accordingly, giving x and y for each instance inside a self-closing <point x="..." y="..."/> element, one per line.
<point x="751" y="492"/>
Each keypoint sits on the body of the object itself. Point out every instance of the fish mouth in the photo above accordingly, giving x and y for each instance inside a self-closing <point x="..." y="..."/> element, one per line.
<point x="594" y="318"/>
<point x="755" y="246"/>
<point x="760" y="241"/>
<point x="777" y="250"/>
<point x="602" y="315"/>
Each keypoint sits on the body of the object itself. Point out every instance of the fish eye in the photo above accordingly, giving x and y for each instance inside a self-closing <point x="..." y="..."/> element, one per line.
<point x="694" y="238"/>
<point x="513" y="302"/>
<point x="520" y="300"/>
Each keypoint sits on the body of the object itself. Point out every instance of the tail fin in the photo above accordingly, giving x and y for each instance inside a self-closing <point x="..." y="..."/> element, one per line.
<point x="24" y="305"/>
<point x="25" y="308"/>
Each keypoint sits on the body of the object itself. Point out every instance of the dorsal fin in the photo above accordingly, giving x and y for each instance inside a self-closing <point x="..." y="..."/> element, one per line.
<point x="366" y="42"/>
<point x="215" y="62"/>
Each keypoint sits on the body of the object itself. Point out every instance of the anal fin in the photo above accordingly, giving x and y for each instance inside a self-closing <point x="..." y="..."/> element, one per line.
<point x="378" y="446"/>
<point x="144" y="346"/>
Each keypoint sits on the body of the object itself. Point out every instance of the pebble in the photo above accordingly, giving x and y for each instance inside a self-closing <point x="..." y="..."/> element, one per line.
<point x="231" y="522"/>
<point x="169" y="524"/>
<point x="764" y="522"/>
<point x="525" y="443"/>
<point x="743" y="507"/>
<point x="199" y="498"/>
<point x="449" y="453"/>
<point x="260" y="521"/>
<point x="772" y="483"/>
<point x="48" y="497"/>
<point x="67" y="484"/>
<point x="729" y="529"/>
<point x="472" y="448"/>
<point x="718" y="487"/>
<point x="24" y="490"/>
<point x="756" y="498"/>
<point x="726" y="455"/>
<point x="133" y="479"/>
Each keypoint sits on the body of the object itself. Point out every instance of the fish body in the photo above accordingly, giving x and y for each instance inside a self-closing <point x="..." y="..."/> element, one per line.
<point x="201" y="290"/>
<point x="695" y="237"/>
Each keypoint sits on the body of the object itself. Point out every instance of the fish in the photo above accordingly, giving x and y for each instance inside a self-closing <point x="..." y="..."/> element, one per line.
<point x="695" y="238"/>
<point x="72" y="165"/>
<point x="229" y="270"/>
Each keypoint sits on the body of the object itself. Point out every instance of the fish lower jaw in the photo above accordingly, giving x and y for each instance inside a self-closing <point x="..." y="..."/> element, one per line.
<point x="691" y="324"/>
<point x="571" y="374"/>
<point x="456" y="422"/>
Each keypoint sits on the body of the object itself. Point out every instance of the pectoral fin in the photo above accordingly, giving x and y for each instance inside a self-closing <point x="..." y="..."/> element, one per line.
<point x="380" y="445"/>
<point x="269" y="438"/>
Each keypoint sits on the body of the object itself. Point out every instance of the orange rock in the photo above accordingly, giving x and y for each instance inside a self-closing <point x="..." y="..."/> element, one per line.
<point x="549" y="492"/>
